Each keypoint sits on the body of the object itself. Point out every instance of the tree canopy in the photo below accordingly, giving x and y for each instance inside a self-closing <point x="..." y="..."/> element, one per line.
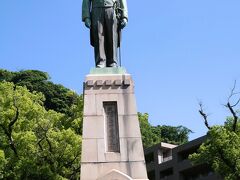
<point x="155" y="134"/>
<point x="221" y="150"/>
<point x="35" y="143"/>
<point x="58" y="97"/>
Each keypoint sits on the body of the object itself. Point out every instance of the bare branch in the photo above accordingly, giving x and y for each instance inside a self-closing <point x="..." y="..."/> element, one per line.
<point x="39" y="144"/>
<point x="230" y="106"/>
<point x="45" y="130"/>
<point x="232" y="91"/>
<point x="15" y="118"/>
<point x="234" y="114"/>
<point x="72" y="161"/>
<point x="49" y="144"/>
<point x="10" y="139"/>
<point x="236" y="103"/>
<point x="204" y="115"/>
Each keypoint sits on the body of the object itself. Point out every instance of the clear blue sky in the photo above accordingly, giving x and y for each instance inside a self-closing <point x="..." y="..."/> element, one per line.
<point x="178" y="52"/>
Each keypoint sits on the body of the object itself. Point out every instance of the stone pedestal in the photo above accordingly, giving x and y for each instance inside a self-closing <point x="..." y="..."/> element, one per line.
<point x="112" y="145"/>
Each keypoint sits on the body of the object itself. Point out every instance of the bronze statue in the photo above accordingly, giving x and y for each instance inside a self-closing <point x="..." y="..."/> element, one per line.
<point x="105" y="18"/>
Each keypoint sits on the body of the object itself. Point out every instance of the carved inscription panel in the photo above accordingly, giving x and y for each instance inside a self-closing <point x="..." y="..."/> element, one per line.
<point x="112" y="128"/>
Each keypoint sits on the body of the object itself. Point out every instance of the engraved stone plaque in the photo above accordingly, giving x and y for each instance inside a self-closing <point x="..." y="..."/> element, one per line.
<point x="112" y="128"/>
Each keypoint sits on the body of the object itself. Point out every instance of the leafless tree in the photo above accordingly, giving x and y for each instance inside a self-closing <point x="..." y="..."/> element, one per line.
<point x="230" y="106"/>
<point x="204" y="115"/>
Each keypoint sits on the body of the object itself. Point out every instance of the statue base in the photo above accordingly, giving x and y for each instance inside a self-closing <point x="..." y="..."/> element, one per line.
<point x="111" y="145"/>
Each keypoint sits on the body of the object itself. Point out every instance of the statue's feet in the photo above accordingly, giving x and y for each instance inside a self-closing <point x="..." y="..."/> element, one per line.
<point x="113" y="65"/>
<point x="101" y="64"/>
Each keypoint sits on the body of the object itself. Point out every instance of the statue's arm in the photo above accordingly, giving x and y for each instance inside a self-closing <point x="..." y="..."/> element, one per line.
<point x="86" y="5"/>
<point x="124" y="15"/>
<point x="123" y="6"/>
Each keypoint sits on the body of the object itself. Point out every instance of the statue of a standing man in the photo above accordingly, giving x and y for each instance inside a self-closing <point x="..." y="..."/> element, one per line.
<point x="105" y="18"/>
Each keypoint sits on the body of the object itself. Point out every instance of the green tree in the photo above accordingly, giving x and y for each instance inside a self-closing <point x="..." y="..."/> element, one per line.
<point x="221" y="150"/>
<point x="2" y="162"/>
<point x="74" y="118"/>
<point x="148" y="137"/>
<point x="174" y="135"/>
<point x="58" y="97"/>
<point x="35" y="143"/>
<point x="155" y="134"/>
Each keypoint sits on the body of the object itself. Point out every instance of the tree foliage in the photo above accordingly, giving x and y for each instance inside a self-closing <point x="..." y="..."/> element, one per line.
<point x="222" y="148"/>
<point x="155" y="134"/>
<point x="58" y="97"/>
<point x="35" y="143"/>
<point x="221" y="151"/>
<point x="149" y="138"/>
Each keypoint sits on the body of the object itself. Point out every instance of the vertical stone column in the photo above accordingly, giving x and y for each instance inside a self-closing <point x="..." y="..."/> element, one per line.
<point x="112" y="145"/>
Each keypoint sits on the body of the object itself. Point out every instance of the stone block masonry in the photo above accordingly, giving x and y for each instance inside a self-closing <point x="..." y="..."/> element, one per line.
<point x="112" y="145"/>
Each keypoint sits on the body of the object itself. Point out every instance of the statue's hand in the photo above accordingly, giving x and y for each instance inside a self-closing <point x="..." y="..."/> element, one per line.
<point x="88" y="23"/>
<point x="123" y="23"/>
